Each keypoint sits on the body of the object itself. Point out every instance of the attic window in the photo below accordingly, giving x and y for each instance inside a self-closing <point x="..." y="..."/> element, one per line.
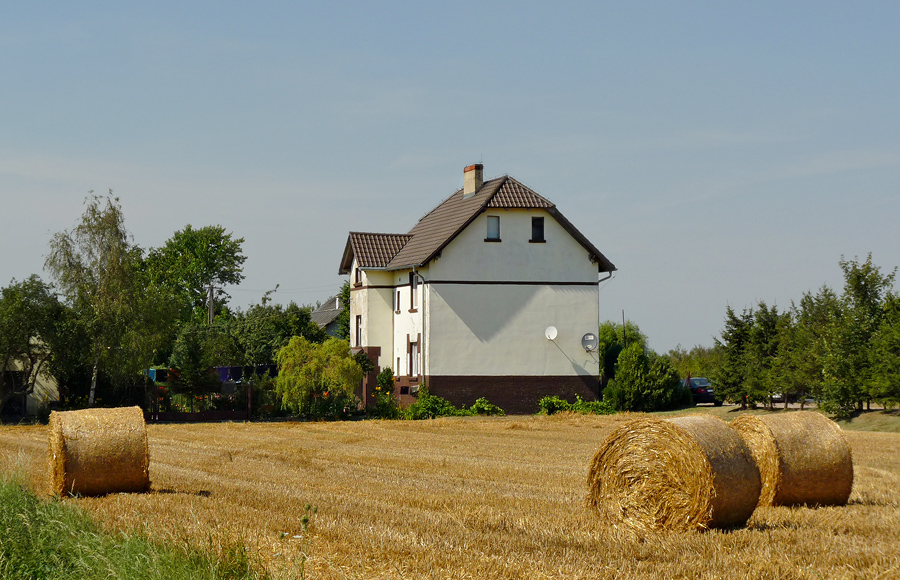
<point x="537" y="230"/>
<point x="493" y="228"/>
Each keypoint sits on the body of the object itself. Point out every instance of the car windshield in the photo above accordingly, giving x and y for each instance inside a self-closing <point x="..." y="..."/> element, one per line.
<point x="700" y="382"/>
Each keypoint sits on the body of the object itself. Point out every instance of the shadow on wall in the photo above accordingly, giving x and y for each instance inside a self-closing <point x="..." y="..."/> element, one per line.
<point x="487" y="310"/>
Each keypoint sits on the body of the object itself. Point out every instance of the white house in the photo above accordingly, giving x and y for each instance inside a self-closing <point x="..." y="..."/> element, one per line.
<point x="464" y="302"/>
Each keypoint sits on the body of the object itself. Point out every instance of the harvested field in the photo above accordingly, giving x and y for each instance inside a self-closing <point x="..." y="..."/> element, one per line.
<point x="465" y="498"/>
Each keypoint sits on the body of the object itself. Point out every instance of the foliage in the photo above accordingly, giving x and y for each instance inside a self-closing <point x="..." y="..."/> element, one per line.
<point x="551" y="404"/>
<point x="735" y="340"/>
<point x="99" y="271"/>
<point x="613" y="338"/>
<point x="264" y="329"/>
<point x="554" y="404"/>
<point x="482" y="406"/>
<point x="849" y="337"/>
<point x="700" y="361"/>
<point x="192" y="360"/>
<point x="343" y="319"/>
<point x="592" y="407"/>
<point x="52" y="540"/>
<point x="386" y="404"/>
<point x="364" y="362"/>
<point x="428" y="406"/>
<point x="29" y="330"/>
<point x="192" y="260"/>
<point x="645" y="382"/>
<point x="841" y="349"/>
<point x="318" y="380"/>
<point x="885" y="384"/>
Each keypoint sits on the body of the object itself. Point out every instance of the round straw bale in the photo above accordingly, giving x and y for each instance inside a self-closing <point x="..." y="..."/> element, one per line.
<point x="802" y="456"/>
<point x="98" y="451"/>
<point x="687" y="473"/>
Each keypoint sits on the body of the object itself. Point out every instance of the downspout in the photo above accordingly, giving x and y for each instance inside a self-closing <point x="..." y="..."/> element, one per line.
<point x="600" y="361"/>
<point x="425" y="359"/>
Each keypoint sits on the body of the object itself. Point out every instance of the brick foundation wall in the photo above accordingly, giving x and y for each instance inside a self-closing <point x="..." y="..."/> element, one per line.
<point x="515" y="395"/>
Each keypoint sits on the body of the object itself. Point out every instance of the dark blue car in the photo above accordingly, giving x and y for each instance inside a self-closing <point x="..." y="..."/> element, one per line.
<point x="702" y="391"/>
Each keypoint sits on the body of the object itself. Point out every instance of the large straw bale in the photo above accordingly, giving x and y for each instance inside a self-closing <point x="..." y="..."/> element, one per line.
<point x="802" y="456"/>
<point x="98" y="451"/>
<point x="687" y="473"/>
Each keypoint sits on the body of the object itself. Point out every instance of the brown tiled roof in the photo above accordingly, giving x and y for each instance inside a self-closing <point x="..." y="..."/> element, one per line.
<point x="371" y="250"/>
<point x="442" y="224"/>
<point x="514" y="195"/>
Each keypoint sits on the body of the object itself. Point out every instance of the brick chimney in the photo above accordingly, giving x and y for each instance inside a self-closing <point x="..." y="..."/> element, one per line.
<point x="473" y="179"/>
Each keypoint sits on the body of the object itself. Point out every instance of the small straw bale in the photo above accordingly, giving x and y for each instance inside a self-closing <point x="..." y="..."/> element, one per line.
<point x="803" y="458"/>
<point x="98" y="451"/>
<point x="687" y="473"/>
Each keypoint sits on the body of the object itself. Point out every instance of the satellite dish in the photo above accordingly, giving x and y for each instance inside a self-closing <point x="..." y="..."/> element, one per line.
<point x="550" y="332"/>
<point x="590" y="342"/>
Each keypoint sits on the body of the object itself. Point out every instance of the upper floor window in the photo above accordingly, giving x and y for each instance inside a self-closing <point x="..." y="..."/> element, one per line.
<point x="357" y="279"/>
<point x="358" y="330"/>
<point x="413" y="291"/>
<point x="537" y="230"/>
<point x="493" y="228"/>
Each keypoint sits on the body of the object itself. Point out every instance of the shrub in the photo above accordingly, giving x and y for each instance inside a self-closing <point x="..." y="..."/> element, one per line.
<point x="483" y="407"/>
<point x="318" y="380"/>
<point x="592" y="407"/>
<point x="429" y="406"/>
<point x="553" y="404"/>
<point x="644" y="382"/>
<point x="386" y="404"/>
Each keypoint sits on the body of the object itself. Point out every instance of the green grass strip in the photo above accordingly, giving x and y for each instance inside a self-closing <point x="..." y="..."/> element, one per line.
<point x="47" y="540"/>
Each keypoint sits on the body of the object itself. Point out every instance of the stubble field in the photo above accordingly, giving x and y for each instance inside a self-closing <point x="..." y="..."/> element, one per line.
<point x="478" y="498"/>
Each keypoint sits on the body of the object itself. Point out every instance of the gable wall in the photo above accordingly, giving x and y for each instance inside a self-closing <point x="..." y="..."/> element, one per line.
<point x="469" y="257"/>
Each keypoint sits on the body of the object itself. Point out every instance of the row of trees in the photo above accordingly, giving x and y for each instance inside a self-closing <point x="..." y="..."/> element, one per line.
<point x="114" y="310"/>
<point x="843" y="349"/>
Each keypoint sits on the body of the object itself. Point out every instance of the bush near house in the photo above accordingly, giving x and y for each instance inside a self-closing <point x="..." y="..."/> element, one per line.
<point x="554" y="404"/>
<point x="429" y="406"/>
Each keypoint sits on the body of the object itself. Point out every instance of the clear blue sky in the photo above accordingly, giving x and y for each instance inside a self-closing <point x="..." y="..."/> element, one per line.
<point x="716" y="154"/>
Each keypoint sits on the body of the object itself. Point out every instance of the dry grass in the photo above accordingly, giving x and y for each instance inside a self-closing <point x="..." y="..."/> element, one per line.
<point x="466" y="498"/>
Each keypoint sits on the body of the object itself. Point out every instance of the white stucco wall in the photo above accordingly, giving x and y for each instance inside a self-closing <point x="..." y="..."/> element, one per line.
<point x="405" y="323"/>
<point x="468" y="257"/>
<point x="373" y="303"/>
<point x="499" y="330"/>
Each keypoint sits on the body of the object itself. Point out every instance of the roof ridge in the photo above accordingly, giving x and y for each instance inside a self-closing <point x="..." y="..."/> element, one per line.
<point x="376" y="234"/>
<point x="446" y="199"/>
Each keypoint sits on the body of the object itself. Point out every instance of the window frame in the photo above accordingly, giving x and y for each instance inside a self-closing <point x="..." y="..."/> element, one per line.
<point x="413" y="292"/>
<point x="537" y="223"/>
<point x="492" y="219"/>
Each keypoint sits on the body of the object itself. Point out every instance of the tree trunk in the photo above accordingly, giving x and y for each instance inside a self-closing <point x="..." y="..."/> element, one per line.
<point x="94" y="382"/>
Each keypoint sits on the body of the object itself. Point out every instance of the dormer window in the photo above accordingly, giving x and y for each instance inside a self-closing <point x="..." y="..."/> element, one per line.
<point x="493" y="228"/>
<point x="537" y="230"/>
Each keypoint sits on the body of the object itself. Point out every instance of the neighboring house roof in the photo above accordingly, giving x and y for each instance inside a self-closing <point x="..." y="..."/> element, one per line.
<point x="371" y="250"/>
<point x="442" y="224"/>
<point x="327" y="312"/>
